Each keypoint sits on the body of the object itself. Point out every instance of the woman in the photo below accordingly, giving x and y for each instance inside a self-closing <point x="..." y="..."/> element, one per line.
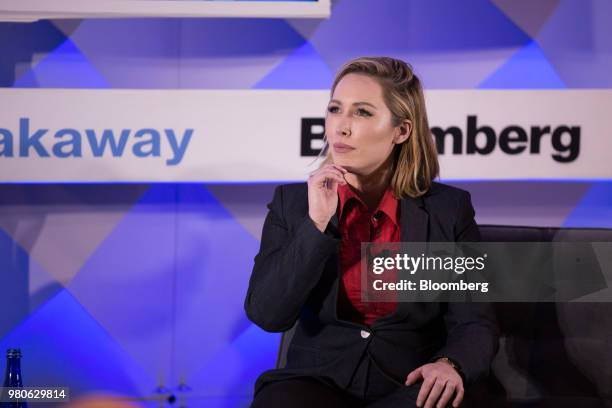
<point x="375" y="185"/>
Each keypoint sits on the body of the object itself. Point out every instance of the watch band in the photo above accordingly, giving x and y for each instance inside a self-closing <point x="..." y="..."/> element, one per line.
<point x="453" y="364"/>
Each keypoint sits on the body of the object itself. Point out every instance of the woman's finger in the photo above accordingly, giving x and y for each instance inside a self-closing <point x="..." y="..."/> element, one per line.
<point x="322" y="177"/>
<point x="424" y="391"/>
<point x="342" y="169"/>
<point x="435" y="393"/>
<point x="414" y="376"/>
<point x="325" y="170"/>
<point x="449" y="390"/>
<point x="458" y="397"/>
<point x="329" y="182"/>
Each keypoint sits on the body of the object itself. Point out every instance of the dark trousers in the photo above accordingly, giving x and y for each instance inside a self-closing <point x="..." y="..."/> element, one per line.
<point x="369" y="388"/>
<point x="307" y="393"/>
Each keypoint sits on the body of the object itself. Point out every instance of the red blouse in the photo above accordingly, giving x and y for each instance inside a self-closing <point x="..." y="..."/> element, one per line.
<point x="357" y="224"/>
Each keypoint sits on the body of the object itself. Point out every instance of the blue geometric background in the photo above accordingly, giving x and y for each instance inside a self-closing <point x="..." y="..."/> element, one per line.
<point x="125" y="287"/>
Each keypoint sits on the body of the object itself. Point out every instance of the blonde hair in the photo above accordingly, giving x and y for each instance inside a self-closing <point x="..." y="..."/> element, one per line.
<point x="416" y="160"/>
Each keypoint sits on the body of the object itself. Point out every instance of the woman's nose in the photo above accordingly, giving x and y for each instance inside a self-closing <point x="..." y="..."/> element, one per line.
<point x="344" y="129"/>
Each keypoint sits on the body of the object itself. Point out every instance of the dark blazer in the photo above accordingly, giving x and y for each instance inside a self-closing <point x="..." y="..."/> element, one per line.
<point x="295" y="278"/>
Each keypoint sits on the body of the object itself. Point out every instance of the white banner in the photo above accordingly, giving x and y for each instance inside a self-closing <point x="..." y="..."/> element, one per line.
<point x="61" y="135"/>
<point x="32" y="10"/>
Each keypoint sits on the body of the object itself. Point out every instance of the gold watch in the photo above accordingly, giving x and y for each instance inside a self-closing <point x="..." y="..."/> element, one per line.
<point x="451" y="363"/>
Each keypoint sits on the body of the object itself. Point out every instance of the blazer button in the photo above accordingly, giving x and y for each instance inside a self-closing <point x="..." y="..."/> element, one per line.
<point x="365" y="334"/>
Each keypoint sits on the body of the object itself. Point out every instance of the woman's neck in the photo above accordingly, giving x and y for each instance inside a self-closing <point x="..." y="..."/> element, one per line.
<point x="371" y="187"/>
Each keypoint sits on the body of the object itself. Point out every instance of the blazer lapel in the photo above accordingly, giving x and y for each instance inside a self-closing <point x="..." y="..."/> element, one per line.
<point x="414" y="227"/>
<point x="414" y="220"/>
<point x="334" y="224"/>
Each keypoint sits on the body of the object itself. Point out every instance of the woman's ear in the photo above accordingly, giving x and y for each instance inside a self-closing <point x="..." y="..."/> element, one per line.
<point x="404" y="130"/>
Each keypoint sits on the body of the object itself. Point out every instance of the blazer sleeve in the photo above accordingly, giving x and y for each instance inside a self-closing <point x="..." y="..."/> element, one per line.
<point x="472" y="333"/>
<point x="288" y="266"/>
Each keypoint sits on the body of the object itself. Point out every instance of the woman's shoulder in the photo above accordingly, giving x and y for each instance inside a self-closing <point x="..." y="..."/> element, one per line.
<point x="292" y="191"/>
<point x="291" y="196"/>
<point x="294" y="188"/>
<point x="437" y="188"/>
<point x="446" y="194"/>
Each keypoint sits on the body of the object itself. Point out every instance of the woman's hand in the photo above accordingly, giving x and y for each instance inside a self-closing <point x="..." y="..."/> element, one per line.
<point x="323" y="193"/>
<point x="440" y="382"/>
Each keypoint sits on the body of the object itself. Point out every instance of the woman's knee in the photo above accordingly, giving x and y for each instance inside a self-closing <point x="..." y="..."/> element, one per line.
<point x="298" y="393"/>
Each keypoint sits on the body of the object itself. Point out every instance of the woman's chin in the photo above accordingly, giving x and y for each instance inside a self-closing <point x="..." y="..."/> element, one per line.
<point x="341" y="161"/>
<point x="351" y="168"/>
<point x="345" y="164"/>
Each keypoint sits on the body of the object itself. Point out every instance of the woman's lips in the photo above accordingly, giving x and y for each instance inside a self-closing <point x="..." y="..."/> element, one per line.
<point x="342" y="148"/>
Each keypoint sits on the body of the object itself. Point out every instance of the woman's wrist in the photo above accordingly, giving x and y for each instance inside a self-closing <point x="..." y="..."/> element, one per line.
<point x="453" y="364"/>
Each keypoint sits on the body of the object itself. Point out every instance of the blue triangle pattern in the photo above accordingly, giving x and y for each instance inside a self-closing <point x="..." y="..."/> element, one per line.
<point x="237" y="366"/>
<point x="302" y="69"/>
<point x="19" y="42"/>
<point x="134" y="268"/>
<point x="413" y="30"/>
<point x="62" y="345"/>
<point x="64" y="67"/>
<point x="528" y="68"/>
<point x="594" y="209"/>
<point x="214" y="261"/>
<point x="14" y="285"/>
<point x="577" y="40"/>
<point x="27" y="80"/>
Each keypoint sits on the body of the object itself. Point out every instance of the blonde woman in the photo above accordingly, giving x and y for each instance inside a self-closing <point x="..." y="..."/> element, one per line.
<point x="376" y="184"/>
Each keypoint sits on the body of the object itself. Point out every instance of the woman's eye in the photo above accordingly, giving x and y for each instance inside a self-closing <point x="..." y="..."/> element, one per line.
<point x="332" y="109"/>
<point x="363" y="112"/>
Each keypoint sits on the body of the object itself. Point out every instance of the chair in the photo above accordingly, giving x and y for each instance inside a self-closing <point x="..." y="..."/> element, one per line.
<point x="551" y="354"/>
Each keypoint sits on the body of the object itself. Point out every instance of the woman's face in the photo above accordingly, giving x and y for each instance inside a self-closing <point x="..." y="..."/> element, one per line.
<point x="358" y="125"/>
